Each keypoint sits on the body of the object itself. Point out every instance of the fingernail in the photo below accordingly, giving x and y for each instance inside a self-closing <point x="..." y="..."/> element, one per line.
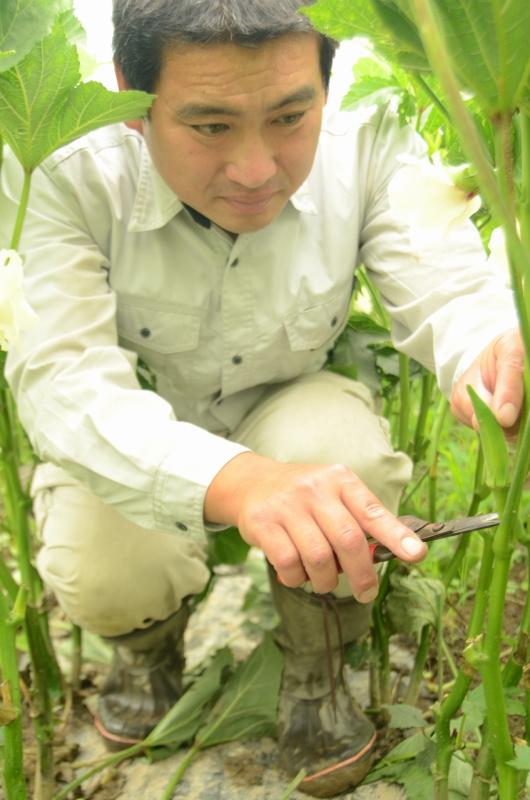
<point x="412" y="545"/>
<point x="507" y="415"/>
<point x="369" y="595"/>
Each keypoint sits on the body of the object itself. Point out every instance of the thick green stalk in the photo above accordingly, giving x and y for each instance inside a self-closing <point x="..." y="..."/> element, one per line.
<point x="404" y="404"/>
<point x="13" y="756"/>
<point x="462" y="683"/>
<point x="499" y="736"/>
<point x="524" y="208"/>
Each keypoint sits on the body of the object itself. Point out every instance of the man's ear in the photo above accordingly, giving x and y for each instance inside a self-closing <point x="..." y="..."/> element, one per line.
<point x="123" y="86"/>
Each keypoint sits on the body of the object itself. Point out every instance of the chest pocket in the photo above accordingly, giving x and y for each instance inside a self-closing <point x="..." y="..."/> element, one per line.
<point x="317" y="326"/>
<point x="156" y="333"/>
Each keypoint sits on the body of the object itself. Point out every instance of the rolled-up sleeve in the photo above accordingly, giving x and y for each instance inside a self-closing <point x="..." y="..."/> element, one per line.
<point x="446" y="303"/>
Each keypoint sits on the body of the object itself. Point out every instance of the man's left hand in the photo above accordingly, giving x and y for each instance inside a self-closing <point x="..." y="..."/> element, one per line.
<point x="497" y="377"/>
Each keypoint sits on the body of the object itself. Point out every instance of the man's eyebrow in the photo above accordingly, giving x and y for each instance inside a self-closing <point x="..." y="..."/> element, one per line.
<point x="194" y="110"/>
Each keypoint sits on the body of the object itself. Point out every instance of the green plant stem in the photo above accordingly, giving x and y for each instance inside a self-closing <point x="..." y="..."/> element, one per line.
<point x="77" y="657"/>
<point x="455" y="564"/>
<point x="524" y="208"/>
<point x="427" y="384"/>
<point x="433" y="96"/>
<point x="110" y="761"/>
<point x="416" y="675"/>
<point x="13" y="755"/>
<point x="455" y="698"/>
<point x="21" y="212"/>
<point x="177" y="776"/>
<point x="404" y="405"/>
<point x="437" y="427"/>
<point x="380" y="675"/>
<point x="295" y="783"/>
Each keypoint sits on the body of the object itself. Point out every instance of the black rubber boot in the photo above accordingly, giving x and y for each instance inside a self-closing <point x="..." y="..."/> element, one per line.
<point x="320" y="726"/>
<point x="144" y="682"/>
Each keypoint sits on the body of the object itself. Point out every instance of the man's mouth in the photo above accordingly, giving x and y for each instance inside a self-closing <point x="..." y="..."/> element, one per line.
<point x="249" y="203"/>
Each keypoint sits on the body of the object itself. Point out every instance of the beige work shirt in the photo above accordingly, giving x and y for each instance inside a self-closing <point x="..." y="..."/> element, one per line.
<point x="117" y="268"/>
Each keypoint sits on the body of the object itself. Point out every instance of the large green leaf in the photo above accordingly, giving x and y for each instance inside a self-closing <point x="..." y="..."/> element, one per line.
<point x="488" y="40"/>
<point x="248" y="706"/>
<point x="381" y="21"/>
<point x="182" y="722"/>
<point x="43" y="105"/>
<point x="413" y="602"/>
<point x="22" y="23"/>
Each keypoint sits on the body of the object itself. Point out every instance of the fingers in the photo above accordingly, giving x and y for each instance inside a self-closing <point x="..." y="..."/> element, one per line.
<point x="281" y="552"/>
<point x="508" y="388"/>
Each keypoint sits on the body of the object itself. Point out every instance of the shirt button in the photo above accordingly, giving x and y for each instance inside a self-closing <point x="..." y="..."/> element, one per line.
<point x="334" y="321"/>
<point x="235" y="262"/>
<point x="181" y="526"/>
<point x="145" y="332"/>
<point x="237" y="359"/>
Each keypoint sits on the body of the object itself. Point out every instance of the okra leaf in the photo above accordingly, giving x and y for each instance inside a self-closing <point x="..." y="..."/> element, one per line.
<point x="182" y="722"/>
<point x="489" y="45"/>
<point x="522" y="758"/>
<point x="405" y="716"/>
<point x="43" y="105"/>
<point x="381" y="21"/>
<point x="227" y="547"/>
<point x="493" y="443"/>
<point x="22" y="24"/>
<point x="247" y="708"/>
<point x="413" y="602"/>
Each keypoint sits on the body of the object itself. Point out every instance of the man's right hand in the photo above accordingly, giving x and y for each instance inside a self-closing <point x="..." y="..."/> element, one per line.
<point x="309" y="520"/>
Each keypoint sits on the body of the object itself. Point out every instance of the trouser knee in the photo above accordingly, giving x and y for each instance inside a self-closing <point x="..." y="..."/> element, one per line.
<point x="109" y="575"/>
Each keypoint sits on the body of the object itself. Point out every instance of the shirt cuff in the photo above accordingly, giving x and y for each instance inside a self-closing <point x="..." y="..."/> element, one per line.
<point x="183" y="478"/>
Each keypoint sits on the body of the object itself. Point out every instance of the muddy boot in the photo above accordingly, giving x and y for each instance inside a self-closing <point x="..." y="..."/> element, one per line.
<point x="320" y="726"/>
<point x="144" y="682"/>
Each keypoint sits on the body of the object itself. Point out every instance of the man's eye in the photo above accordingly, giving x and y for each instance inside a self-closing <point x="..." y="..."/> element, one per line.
<point x="290" y="119"/>
<point x="210" y="129"/>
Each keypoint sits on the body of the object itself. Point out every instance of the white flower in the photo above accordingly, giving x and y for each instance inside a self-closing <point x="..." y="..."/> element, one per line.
<point x="425" y="196"/>
<point x="16" y="314"/>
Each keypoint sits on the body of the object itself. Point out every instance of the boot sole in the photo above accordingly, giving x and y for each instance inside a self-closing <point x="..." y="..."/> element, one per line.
<point x="113" y="741"/>
<point x="339" y="777"/>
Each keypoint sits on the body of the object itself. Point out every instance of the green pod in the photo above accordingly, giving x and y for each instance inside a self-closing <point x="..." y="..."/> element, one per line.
<point x="493" y="444"/>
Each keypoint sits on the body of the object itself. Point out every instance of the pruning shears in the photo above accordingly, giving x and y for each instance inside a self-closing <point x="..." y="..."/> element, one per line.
<point x="431" y="531"/>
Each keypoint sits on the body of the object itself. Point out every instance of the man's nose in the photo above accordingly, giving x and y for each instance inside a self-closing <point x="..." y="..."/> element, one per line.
<point x="252" y="164"/>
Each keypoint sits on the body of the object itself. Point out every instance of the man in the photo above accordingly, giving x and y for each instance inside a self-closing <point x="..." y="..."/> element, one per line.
<point x="217" y="239"/>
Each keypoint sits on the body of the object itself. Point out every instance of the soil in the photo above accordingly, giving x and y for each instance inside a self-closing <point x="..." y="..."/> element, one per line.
<point x="240" y="770"/>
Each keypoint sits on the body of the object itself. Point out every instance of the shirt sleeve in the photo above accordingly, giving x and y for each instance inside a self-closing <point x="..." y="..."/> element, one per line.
<point x="76" y="389"/>
<point x="446" y="303"/>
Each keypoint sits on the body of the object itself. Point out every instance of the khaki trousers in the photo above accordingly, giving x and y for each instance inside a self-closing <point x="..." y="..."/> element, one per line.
<point x="110" y="576"/>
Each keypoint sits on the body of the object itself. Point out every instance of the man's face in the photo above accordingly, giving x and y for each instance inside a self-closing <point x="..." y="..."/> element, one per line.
<point x="233" y="130"/>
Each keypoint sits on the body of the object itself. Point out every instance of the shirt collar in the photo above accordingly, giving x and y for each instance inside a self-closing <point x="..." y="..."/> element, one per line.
<point x="302" y="200"/>
<point x="155" y="203"/>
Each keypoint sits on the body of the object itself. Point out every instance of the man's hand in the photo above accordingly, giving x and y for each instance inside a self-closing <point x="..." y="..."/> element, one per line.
<point x="497" y="377"/>
<point x="309" y="520"/>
